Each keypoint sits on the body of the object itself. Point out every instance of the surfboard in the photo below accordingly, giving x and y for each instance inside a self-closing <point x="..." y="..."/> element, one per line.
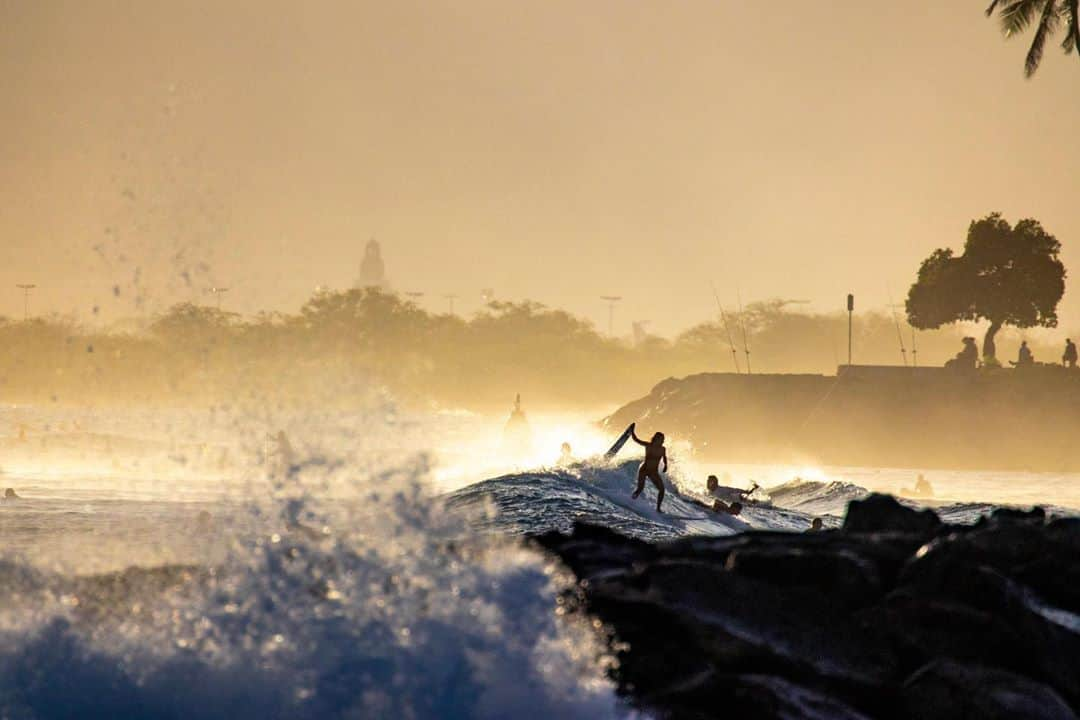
<point x="614" y="449"/>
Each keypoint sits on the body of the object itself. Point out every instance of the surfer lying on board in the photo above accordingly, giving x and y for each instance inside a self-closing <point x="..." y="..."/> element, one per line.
<point x="725" y="498"/>
<point x="654" y="453"/>
<point x="727" y="493"/>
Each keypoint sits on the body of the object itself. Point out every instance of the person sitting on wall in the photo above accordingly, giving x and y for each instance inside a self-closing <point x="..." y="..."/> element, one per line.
<point x="967" y="359"/>
<point x="1024" y="358"/>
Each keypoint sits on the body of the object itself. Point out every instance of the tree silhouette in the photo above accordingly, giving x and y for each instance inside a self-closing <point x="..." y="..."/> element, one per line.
<point x="1047" y="16"/>
<point x="1007" y="275"/>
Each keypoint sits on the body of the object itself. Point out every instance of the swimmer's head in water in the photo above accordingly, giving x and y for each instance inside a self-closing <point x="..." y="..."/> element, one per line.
<point x="658" y="438"/>
<point x="735" y="508"/>
<point x="712" y="482"/>
<point x="815" y="524"/>
<point x="10" y="493"/>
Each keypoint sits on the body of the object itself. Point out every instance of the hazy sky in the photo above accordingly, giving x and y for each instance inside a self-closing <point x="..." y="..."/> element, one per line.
<point x="551" y="149"/>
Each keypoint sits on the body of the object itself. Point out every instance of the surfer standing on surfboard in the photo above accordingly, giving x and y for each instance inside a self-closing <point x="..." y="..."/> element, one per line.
<point x="654" y="453"/>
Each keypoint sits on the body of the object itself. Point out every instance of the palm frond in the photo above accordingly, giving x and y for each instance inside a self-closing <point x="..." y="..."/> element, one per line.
<point x="1070" y="10"/>
<point x="1048" y="24"/>
<point x="1019" y="14"/>
<point x="993" y="6"/>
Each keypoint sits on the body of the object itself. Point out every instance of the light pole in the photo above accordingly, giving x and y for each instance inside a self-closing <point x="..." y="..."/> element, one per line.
<point x="26" y="299"/>
<point x="850" y="310"/>
<point x="217" y="294"/>
<point x="611" y="300"/>
<point x="451" y="299"/>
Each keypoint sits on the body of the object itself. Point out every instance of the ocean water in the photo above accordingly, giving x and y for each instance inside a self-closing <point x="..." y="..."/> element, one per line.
<point x="180" y="564"/>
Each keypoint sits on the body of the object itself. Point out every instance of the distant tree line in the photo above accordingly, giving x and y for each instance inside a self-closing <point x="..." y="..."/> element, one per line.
<point x="343" y="346"/>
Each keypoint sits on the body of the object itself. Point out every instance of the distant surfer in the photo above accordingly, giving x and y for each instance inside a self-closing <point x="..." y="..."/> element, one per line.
<point x="816" y="525"/>
<point x="566" y="455"/>
<point x="1069" y="358"/>
<point x="10" y="494"/>
<point x="922" y="489"/>
<point x="517" y="435"/>
<point x="650" y="468"/>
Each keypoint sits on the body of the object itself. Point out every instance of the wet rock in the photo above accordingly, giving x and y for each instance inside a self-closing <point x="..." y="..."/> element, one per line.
<point x="882" y="513"/>
<point x="845" y="577"/>
<point x="946" y="690"/>
<point x="1036" y="515"/>
<point x="894" y="616"/>
<point x="749" y="697"/>
<point x="921" y="629"/>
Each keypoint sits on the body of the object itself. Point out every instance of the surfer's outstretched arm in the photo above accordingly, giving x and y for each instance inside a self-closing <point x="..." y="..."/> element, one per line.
<point x="638" y="440"/>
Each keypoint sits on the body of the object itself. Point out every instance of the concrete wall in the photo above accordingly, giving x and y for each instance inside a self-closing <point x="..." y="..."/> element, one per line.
<point x="897" y="417"/>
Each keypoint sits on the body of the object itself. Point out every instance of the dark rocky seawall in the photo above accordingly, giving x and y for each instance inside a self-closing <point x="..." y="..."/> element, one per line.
<point x="898" y="417"/>
<point x="894" y="616"/>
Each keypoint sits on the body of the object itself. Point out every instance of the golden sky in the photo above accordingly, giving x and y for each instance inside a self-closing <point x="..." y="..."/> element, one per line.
<point x="548" y="149"/>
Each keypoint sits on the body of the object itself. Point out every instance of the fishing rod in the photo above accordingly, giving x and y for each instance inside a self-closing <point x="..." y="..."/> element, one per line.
<point x="727" y="329"/>
<point x="742" y="324"/>
<point x="899" y="332"/>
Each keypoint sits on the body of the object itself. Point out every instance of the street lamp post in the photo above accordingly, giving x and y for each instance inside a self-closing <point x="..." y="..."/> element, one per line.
<point x="611" y="300"/>
<point x="26" y="299"/>
<point x="451" y="299"/>
<point x="850" y="311"/>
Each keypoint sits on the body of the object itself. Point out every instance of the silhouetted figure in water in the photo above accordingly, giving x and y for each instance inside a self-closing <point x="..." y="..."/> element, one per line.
<point x="726" y="493"/>
<point x="922" y="489"/>
<point x="517" y="435"/>
<point x="566" y="454"/>
<point x="966" y="359"/>
<point x="650" y="468"/>
<point x="1069" y="358"/>
<point x="1024" y="358"/>
<point x="816" y="525"/>
<point x="9" y="494"/>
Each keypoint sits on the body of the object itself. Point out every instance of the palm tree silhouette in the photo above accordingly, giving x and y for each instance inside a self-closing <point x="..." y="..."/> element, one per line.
<point x="1047" y="16"/>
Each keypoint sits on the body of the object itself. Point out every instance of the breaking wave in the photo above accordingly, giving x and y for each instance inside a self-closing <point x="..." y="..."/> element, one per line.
<point x="384" y="608"/>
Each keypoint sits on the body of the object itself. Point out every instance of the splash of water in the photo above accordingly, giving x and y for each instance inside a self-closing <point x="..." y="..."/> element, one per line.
<point x="382" y="608"/>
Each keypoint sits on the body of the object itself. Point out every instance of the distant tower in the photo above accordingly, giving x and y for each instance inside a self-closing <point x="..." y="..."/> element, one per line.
<point x="640" y="333"/>
<point x="372" y="270"/>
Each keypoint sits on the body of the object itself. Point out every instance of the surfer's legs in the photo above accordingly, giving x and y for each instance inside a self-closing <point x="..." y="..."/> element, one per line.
<point x="640" y="482"/>
<point x="659" y="490"/>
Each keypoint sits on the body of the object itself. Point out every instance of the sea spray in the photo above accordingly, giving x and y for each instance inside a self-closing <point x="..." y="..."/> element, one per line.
<point x="379" y="610"/>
